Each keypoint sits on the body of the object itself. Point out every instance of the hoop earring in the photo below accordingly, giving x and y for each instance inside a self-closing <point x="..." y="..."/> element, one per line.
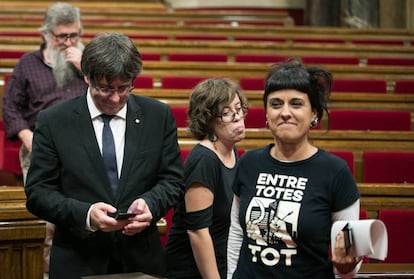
<point x="314" y="123"/>
<point x="212" y="138"/>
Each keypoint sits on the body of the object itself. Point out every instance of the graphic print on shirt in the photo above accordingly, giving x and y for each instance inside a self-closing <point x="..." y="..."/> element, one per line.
<point x="272" y="218"/>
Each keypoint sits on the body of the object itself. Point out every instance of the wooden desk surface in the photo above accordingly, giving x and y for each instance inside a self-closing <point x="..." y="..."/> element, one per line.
<point x="385" y="270"/>
<point x="135" y="275"/>
<point x="371" y="270"/>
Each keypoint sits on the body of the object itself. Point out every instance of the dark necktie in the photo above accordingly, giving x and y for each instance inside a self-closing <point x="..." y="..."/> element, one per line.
<point x="108" y="152"/>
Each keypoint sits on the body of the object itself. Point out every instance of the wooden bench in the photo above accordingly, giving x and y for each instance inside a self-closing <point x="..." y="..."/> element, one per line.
<point x="146" y="42"/>
<point x="24" y="233"/>
<point x="385" y="271"/>
<point x="180" y="97"/>
<point x="373" y="198"/>
<point x="29" y="13"/>
<point x="93" y="12"/>
<point x="21" y="236"/>
<point x="334" y="140"/>
<point x="385" y="196"/>
<point x="117" y="10"/>
<point x="389" y="101"/>
<point x="174" y="18"/>
<point x="355" y="141"/>
<point x="295" y="35"/>
<point x="138" y="8"/>
<point x="158" y="69"/>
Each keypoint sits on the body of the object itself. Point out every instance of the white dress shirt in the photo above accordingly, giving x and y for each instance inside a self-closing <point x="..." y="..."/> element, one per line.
<point x="118" y="127"/>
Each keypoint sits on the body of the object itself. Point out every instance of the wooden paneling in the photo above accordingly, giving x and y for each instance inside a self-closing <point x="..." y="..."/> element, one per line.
<point x="21" y="237"/>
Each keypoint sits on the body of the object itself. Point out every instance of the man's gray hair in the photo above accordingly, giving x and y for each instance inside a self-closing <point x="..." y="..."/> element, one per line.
<point x="60" y="14"/>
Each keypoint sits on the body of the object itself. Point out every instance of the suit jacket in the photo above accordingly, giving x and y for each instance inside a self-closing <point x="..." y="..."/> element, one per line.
<point x="67" y="175"/>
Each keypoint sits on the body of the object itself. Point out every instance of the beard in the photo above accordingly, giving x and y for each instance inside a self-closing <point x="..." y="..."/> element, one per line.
<point x="63" y="71"/>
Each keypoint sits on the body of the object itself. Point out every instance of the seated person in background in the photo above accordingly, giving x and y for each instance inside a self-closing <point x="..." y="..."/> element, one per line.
<point x="100" y="153"/>
<point x="196" y="246"/>
<point x="289" y="193"/>
<point x="42" y="78"/>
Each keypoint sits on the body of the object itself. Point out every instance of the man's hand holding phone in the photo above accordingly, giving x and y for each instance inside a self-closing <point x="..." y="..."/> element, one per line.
<point x="121" y="215"/>
<point x="105" y="217"/>
<point x="141" y="221"/>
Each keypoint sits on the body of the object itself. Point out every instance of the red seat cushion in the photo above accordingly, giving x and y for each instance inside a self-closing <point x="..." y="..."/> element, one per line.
<point x="260" y="39"/>
<point x="141" y="82"/>
<point x="148" y="37"/>
<point x="404" y="87"/>
<point x="377" y="42"/>
<point x="370" y="120"/>
<point x="11" y="53"/>
<point x="9" y="153"/>
<point x="256" y="118"/>
<point x="168" y="219"/>
<point x="330" y="60"/>
<point x="151" y="56"/>
<point x="201" y="38"/>
<point x="186" y="57"/>
<point x="184" y="153"/>
<point x="252" y="83"/>
<point x="259" y="58"/>
<point x="359" y="86"/>
<point x="400" y="230"/>
<point x="388" y="167"/>
<point x="180" y="116"/>
<point x="363" y="214"/>
<point x="179" y="82"/>
<point x="348" y="156"/>
<point x="395" y="61"/>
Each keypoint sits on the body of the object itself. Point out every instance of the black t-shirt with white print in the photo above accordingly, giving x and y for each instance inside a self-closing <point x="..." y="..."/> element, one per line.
<point x="285" y="213"/>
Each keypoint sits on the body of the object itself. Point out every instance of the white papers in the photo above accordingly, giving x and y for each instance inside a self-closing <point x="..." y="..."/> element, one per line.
<point x="369" y="236"/>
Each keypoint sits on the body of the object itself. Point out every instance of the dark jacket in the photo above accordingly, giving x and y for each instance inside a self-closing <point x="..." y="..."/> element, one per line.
<point x="67" y="175"/>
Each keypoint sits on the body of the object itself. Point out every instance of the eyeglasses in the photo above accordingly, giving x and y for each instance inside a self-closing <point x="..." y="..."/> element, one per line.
<point x="61" y="38"/>
<point x="109" y="91"/>
<point x="229" y="116"/>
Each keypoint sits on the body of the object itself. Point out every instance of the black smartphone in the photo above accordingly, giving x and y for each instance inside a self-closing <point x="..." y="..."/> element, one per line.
<point x="347" y="236"/>
<point x="121" y="215"/>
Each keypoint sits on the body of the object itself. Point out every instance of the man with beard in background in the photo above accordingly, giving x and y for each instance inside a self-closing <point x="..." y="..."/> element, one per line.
<point x="42" y="78"/>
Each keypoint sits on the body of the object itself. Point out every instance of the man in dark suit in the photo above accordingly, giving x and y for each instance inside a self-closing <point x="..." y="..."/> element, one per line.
<point x="68" y="183"/>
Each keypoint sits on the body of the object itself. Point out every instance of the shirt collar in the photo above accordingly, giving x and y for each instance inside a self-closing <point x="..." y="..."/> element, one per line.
<point x="94" y="111"/>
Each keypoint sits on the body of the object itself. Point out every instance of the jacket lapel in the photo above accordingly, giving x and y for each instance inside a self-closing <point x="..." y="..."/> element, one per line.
<point x="88" y="140"/>
<point x="134" y="126"/>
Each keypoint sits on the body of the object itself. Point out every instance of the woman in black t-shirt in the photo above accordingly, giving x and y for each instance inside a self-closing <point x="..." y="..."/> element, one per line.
<point x="197" y="241"/>
<point x="288" y="194"/>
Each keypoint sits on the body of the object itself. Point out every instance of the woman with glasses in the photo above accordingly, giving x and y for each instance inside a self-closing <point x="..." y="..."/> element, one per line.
<point x="196" y="246"/>
<point x="288" y="193"/>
